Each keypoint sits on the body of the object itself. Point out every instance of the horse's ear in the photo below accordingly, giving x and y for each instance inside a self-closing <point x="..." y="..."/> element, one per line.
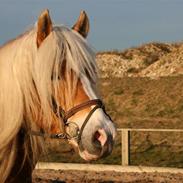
<point x="82" y="25"/>
<point x="44" y="27"/>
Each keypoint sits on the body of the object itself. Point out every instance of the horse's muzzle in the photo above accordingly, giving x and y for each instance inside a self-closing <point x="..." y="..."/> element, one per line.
<point x="99" y="144"/>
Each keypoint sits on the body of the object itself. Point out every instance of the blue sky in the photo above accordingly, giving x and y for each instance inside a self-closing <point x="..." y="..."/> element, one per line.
<point x="115" y="24"/>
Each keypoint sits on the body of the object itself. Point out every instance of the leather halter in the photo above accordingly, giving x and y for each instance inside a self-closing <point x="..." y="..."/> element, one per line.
<point x="65" y="115"/>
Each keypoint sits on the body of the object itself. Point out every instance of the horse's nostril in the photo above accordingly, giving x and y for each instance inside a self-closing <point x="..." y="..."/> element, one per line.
<point x="97" y="135"/>
<point x="100" y="137"/>
<point x="96" y="138"/>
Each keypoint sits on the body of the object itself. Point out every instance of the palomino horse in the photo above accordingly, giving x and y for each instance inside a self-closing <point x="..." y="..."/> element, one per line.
<point x="48" y="89"/>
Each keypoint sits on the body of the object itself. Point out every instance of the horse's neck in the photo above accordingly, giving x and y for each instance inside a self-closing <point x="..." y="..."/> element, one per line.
<point x="22" y="169"/>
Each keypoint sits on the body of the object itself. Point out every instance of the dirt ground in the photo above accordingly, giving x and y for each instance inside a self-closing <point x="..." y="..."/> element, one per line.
<point x="52" y="176"/>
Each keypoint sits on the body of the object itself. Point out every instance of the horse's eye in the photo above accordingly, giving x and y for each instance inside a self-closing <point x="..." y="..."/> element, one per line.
<point x="54" y="77"/>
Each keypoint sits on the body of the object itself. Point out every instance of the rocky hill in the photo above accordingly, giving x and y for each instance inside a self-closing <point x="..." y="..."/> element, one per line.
<point x="150" y="60"/>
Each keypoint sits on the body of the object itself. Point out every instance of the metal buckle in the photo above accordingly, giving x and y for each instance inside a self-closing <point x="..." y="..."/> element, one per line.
<point x="59" y="136"/>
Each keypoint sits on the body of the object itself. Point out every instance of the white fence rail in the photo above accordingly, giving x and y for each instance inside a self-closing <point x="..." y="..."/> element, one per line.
<point x="125" y="141"/>
<point x="125" y="154"/>
<point x="101" y="167"/>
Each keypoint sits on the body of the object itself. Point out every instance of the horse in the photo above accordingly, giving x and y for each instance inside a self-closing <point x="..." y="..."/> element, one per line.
<point x="48" y="89"/>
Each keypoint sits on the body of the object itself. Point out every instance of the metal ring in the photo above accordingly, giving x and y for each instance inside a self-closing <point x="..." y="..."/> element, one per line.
<point x="77" y="130"/>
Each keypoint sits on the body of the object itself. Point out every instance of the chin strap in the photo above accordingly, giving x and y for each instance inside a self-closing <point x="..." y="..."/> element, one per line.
<point x="87" y="119"/>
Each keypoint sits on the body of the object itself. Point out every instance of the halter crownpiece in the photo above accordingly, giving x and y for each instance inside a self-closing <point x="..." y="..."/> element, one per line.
<point x="66" y="115"/>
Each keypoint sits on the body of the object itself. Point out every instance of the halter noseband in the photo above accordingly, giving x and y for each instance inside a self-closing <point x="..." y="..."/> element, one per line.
<point x="65" y="115"/>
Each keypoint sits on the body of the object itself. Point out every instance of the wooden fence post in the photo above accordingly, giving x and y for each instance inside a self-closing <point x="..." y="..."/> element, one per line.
<point x="125" y="147"/>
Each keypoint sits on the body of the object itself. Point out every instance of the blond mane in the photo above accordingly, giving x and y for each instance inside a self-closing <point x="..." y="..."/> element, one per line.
<point x="29" y="77"/>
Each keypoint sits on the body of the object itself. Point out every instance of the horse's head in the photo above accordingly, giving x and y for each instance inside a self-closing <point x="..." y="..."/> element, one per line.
<point x="73" y="94"/>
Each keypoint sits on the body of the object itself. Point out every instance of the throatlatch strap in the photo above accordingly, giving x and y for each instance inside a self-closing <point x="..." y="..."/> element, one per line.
<point x="46" y="135"/>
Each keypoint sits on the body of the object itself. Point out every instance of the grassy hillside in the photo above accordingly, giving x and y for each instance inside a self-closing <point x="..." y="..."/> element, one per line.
<point x="149" y="60"/>
<point x="139" y="103"/>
